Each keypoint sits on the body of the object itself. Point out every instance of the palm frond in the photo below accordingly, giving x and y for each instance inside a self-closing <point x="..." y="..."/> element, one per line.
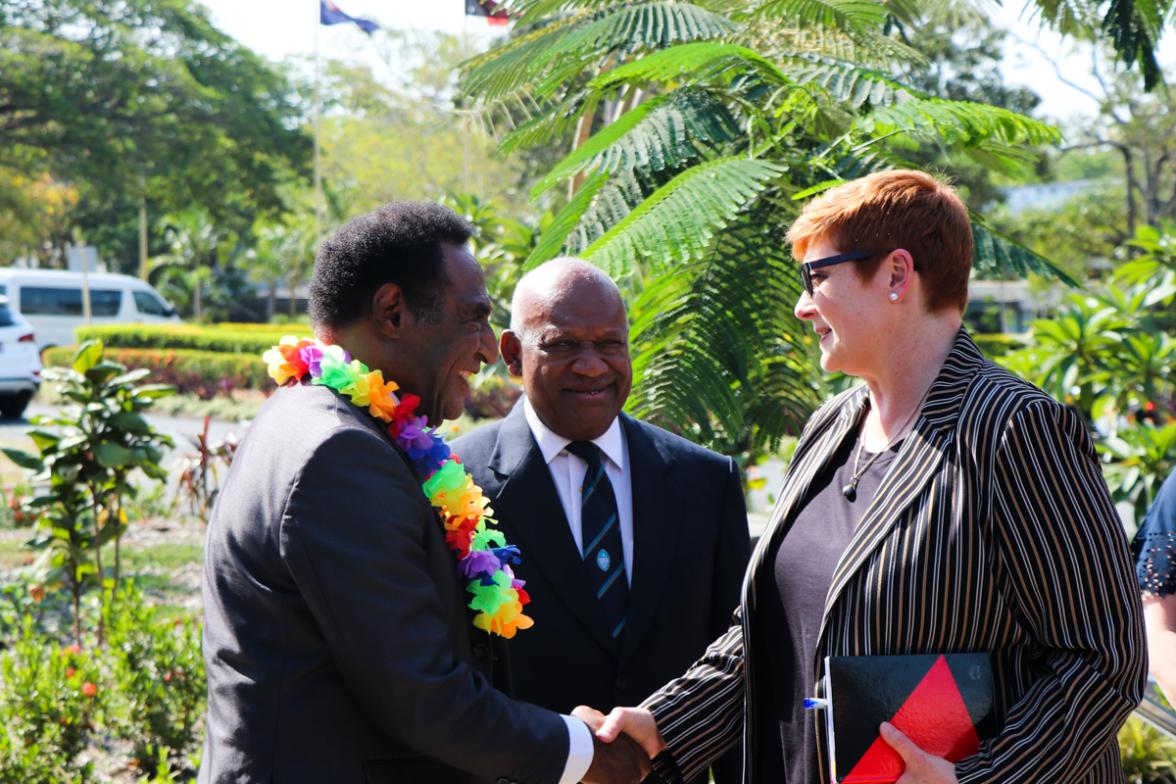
<point x="718" y="353"/>
<point x="849" y="16"/>
<point x="701" y="60"/>
<point x="555" y="235"/>
<point x="956" y="122"/>
<point x="542" y="128"/>
<point x="508" y="66"/>
<point x="651" y="25"/>
<point x="996" y="255"/>
<point x="620" y="196"/>
<point x="679" y="220"/>
<point x="550" y="55"/>
<point x="664" y="131"/>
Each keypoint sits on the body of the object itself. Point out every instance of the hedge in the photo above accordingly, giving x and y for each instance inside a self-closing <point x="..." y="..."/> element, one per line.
<point x="191" y="337"/>
<point x="201" y="373"/>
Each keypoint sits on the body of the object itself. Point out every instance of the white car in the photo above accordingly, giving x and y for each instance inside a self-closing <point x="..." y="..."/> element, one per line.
<point x="20" y="362"/>
<point x="53" y="301"/>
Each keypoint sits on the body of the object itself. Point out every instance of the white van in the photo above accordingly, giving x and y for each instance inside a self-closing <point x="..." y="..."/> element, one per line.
<point x="51" y="300"/>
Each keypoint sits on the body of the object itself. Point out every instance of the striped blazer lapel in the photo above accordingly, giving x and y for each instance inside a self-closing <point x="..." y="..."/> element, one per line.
<point x="918" y="460"/>
<point x="812" y="455"/>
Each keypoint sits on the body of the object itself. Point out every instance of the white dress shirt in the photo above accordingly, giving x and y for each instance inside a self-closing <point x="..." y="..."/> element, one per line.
<point x="567" y="472"/>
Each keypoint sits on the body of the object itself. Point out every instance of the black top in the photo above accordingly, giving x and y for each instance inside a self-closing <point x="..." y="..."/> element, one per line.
<point x="804" y="563"/>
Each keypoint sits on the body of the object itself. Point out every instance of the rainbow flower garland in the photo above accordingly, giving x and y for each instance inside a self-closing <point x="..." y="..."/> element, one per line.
<point x="483" y="556"/>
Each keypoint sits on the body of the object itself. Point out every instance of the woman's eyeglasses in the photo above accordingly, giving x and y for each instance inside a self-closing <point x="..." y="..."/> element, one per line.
<point x="806" y="268"/>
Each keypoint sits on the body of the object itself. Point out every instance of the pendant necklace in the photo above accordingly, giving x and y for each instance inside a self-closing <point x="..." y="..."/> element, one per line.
<point x="850" y="490"/>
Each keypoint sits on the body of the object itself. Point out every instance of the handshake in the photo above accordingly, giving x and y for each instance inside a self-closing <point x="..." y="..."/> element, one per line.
<point x="624" y="743"/>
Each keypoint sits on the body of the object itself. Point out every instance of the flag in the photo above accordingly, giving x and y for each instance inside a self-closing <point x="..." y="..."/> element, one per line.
<point x="495" y="12"/>
<point x="329" y="14"/>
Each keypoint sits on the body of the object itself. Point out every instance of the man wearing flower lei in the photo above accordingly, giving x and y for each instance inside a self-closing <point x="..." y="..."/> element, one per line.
<point x="353" y="573"/>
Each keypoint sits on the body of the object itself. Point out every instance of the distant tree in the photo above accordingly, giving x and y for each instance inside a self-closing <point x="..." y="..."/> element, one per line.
<point x="145" y="99"/>
<point x="406" y="139"/>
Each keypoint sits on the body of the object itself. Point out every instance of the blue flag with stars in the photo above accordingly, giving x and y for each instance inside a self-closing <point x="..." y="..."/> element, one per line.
<point x="329" y="14"/>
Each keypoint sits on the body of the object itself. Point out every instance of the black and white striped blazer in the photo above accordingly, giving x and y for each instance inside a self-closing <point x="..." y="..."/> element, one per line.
<point x="992" y="531"/>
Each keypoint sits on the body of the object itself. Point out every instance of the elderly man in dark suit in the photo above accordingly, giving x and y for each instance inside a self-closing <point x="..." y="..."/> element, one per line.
<point x="636" y="539"/>
<point x="337" y="640"/>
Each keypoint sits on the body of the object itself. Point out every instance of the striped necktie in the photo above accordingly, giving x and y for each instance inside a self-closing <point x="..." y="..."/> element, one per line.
<point x="603" y="558"/>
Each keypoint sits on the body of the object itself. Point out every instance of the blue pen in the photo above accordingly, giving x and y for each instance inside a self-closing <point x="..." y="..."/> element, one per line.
<point x="815" y="703"/>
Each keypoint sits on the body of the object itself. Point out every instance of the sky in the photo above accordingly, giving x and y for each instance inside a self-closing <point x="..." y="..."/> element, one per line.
<point x="282" y="28"/>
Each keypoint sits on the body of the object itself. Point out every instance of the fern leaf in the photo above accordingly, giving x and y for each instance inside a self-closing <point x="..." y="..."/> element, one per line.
<point x="510" y="66"/>
<point x="957" y="122"/>
<point x="998" y="256"/>
<point x="652" y="25"/>
<point x="699" y="59"/>
<point x="555" y="235"/>
<point x="849" y="16"/>
<point x="664" y="131"/>
<point x="679" y="219"/>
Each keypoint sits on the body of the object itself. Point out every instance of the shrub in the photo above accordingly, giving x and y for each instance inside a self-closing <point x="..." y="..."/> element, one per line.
<point x="204" y="374"/>
<point x="157" y="666"/>
<point x="183" y="336"/>
<point x="48" y="707"/>
<point x="83" y="469"/>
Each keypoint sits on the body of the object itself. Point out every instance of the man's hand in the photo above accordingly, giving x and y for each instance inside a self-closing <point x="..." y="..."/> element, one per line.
<point x="619" y="762"/>
<point x="921" y="767"/>
<point x="638" y="724"/>
<point x="590" y="716"/>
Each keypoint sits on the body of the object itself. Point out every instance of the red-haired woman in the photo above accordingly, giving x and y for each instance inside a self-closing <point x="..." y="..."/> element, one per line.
<point x="943" y="505"/>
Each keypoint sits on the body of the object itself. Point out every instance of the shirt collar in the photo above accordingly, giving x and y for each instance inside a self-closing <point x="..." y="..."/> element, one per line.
<point x="551" y="444"/>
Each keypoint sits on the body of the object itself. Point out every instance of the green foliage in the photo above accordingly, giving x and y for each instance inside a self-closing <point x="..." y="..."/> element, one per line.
<point x="677" y="222"/>
<point x="83" y="469"/>
<point x="191" y="337"/>
<point x="205" y="374"/>
<point x="1111" y="353"/>
<point x="49" y="701"/>
<point x="734" y="113"/>
<point x="1148" y="756"/>
<point x="139" y="696"/>
<point x="144" y="99"/>
<point x="159" y="671"/>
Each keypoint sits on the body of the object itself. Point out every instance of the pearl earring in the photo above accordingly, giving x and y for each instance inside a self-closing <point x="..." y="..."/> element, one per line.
<point x="893" y="296"/>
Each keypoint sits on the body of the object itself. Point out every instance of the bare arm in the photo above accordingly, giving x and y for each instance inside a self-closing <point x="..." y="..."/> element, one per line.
<point x="1159" y="615"/>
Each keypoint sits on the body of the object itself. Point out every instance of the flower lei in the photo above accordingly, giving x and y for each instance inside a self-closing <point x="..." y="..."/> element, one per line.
<point x="482" y="554"/>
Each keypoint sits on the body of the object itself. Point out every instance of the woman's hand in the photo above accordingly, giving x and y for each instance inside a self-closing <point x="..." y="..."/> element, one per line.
<point x="921" y="767"/>
<point x="637" y="723"/>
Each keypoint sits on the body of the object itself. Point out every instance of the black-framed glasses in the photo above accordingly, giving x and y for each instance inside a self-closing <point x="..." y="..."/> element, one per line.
<point x="807" y="267"/>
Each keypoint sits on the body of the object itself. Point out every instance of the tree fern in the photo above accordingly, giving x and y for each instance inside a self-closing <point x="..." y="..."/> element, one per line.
<point x="678" y="221"/>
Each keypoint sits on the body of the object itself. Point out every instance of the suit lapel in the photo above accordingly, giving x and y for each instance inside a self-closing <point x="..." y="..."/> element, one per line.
<point x="919" y="459"/>
<point x="657" y="506"/>
<point x="810" y="458"/>
<point x="528" y="499"/>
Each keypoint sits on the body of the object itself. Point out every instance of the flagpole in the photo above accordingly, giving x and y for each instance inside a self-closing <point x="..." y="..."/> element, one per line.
<point x="318" y="177"/>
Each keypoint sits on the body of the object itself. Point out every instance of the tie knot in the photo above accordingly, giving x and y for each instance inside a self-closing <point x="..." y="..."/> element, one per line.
<point x="586" y="451"/>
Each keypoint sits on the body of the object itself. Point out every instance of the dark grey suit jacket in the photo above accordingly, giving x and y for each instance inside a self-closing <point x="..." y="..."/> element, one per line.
<point x="691" y="548"/>
<point x="337" y="642"/>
